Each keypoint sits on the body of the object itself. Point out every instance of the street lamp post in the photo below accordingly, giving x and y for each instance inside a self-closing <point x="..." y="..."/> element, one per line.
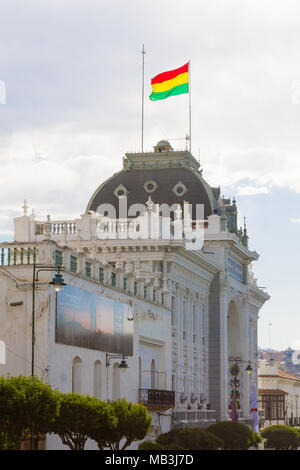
<point x="235" y="383"/>
<point x="57" y="282"/>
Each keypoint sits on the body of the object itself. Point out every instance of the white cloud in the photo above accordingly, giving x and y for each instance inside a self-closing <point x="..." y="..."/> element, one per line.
<point x="260" y="169"/>
<point x="251" y="190"/>
<point x="295" y="221"/>
<point x="74" y="163"/>
<point x="73" y="103"/>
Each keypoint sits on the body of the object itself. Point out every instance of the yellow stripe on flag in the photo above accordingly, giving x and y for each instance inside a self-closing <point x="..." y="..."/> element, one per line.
<point x="168" y="84"/>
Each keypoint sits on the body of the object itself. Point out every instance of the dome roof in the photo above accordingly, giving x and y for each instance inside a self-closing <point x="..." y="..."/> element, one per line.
<point x="168" y="178"/>
<point x="163" y="143"/>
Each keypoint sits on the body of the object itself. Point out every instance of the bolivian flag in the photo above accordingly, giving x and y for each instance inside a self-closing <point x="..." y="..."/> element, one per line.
<point x="171" y="83"/>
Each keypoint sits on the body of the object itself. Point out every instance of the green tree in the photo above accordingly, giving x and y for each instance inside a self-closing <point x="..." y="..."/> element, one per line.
<point x="27" y="407"/>
<point x="150" y="445"/>
<point x="190" y="439"/>
<point x="154" y="445"/>
<point x="80" y="417"/>
<point x="134" y="422"/>
<point x="234" y="435"/>
<point x="281" y="437"/>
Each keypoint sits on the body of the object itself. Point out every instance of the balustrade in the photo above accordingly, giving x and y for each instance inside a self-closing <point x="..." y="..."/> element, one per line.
<point x="13" y="256"/>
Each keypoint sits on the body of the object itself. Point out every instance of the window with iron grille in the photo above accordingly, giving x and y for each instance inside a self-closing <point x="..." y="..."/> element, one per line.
<point x="113" y="279"/>
<point x="145" y="292"/>
<point x="73" y="264"/>
<point x="273" y="406"/>
<point x="88" y="269"/>
<point x="58" y="258"/>
<point x="135" y="288"/>
<point x="101" y="275"/>
<point x="125" y="284"/>
<point x="153" y="295"/>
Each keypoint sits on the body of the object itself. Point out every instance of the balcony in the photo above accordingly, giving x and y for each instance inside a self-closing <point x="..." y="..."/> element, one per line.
<point x="157" y="399"/>
<point x="193" y="418"/>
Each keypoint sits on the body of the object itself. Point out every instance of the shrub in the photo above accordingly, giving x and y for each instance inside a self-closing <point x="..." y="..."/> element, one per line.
<point x="150" y="445"/>
<point x="281" y="437"/>
<point x="173" y="446"/>
<point x="255" y="439"/>
<point x="235" y="435"/>
<point x="190" y="439"/>
<point x="154" y="445"/>
<point x="298" y="432"/>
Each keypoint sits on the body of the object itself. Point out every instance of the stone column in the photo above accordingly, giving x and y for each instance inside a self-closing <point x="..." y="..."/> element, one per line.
<point x="189" y="341"/>
<point x="247" y="378"/>
<point x="180" y="363"/>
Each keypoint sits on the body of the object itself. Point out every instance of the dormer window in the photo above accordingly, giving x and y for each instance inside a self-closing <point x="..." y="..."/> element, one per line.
<point x="150" y="186"/>
<point x="120" y="191"/>
<point x="179" y="189"/>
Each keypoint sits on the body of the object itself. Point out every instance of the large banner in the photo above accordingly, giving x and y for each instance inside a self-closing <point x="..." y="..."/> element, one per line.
<point x="93" y="321"/>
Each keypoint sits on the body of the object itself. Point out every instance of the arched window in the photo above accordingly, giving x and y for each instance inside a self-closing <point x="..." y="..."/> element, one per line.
<point x="97" y="379"/>
<point x="116" y="381"/>
<point x="76" y="375"/>
<point x="153" y="374"/>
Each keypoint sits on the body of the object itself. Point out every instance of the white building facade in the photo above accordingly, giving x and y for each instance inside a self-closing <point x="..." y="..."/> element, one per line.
<point x="279" y="393"/>
<point x="195" y="311"/>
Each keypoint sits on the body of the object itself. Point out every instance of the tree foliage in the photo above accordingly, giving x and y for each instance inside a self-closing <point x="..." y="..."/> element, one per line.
<point x="27" y="407"/>
<point x="150" y="445"/>
<point x="190" y="439"/>
<point x="81" y="417"/>
<point x="235" y="435"/>
<point x="281" y="437"/>
<point x="134" y="422"/>
<point x="154" y="445"/>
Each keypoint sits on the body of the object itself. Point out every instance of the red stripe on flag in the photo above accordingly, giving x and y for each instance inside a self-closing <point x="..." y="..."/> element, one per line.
<point x="162" y="77"/>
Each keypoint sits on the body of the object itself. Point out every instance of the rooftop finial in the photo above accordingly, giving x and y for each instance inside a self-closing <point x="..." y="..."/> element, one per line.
<point x="245" y="235"/>
<point x="25" y="207"/>
<point x="163" y="146"/>
<point x="149" y="204"/>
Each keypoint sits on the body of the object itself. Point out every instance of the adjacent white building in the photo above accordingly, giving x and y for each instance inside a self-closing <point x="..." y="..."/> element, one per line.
<point x="195" y="306"/>
<point x="279" y="393"/>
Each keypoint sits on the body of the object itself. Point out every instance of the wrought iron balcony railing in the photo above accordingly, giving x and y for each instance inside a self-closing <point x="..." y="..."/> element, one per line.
<point x="157" y="398"/>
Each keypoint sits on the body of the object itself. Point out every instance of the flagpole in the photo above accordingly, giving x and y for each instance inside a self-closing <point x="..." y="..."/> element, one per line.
<point x="190" y="105"/>
<point x="143" y="95"/>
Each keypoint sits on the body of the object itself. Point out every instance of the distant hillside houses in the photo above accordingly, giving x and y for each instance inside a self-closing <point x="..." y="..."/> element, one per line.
<point x="284" y="358"/>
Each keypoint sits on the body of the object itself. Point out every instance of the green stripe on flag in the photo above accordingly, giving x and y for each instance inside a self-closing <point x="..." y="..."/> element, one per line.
<point x="176" y="90"/>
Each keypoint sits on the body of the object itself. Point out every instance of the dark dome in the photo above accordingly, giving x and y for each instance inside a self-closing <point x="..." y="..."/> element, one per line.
<point x="163" y="143"/>
<point x="134" y="181"/>
<point x="170" y="178"/>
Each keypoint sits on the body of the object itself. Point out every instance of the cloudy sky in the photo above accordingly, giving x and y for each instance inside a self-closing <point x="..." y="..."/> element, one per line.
<point x="72" y="73"/>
